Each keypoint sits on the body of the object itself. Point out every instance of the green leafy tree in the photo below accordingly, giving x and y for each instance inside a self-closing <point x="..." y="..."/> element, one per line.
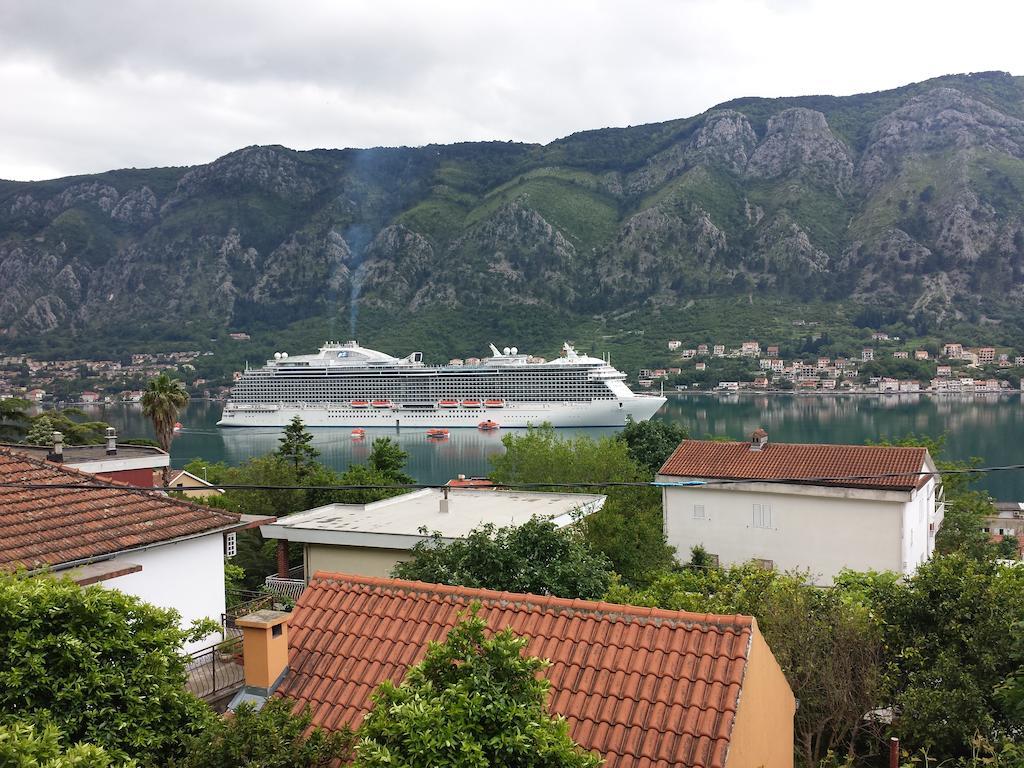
<point x="473" y="702"/>
<point x="388" y="459"/>
<point x="102" y="666"/>
<point x="950" y="631"/>
<point x="1011" y="692"/>
<point x="535" y="557"/>
<point x="272" y="737"/>
<point x="162" y="401"/>
<point x="28" y="745"/>
<point x="14" y="419"/>
<point x="1008" y="548"/>
<point x="69" y="422"/>
<point x="296" y="446"/>
<point x="628" y="529"/>
<point x="651" y="442"/>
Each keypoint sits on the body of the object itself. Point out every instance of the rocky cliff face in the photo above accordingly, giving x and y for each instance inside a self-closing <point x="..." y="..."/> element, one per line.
<point x="911" y="199"/>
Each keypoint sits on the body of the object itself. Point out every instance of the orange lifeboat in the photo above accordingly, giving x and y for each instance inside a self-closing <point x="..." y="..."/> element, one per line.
<point x="448" y="403"/>
<point x="381" y="403"/>
<point x="358" y="433"/>
<point x="360" y="403"/>
<point x="488" y="425"/>
<point x="494" y="403"/>
<point x="437" y="434"/>
<point x="470" y="403"/>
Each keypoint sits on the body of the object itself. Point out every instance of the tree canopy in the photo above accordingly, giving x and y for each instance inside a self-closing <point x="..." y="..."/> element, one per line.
<point x="628" y="529"/>
<point x="162" y="401"/>
<point x="535" y="557"/>
<point x="650" y="443"/>
<point x="297" y="446"/>
<point x="475" y="701"/>
<point x="101" y="666"/>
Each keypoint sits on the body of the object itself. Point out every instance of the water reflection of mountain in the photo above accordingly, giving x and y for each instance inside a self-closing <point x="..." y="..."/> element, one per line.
<point x="988" y="427"/>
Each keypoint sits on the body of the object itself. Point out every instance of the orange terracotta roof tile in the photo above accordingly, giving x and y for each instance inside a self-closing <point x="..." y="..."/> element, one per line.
<point x="641" y="686"/>
<point x="852" y="466"/>
<point x="66" y="521"/>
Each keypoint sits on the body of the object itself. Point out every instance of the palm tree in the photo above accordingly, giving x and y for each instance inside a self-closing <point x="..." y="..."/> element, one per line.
<point x="161" y="402"/>
<point x="14" y="419"/>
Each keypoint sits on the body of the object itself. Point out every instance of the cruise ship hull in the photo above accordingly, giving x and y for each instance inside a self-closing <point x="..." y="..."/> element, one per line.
<point x="596" y="413"/>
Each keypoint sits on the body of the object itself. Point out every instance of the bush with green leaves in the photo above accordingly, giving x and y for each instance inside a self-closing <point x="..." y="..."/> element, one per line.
<point x="628" y="530"/>
<point x="25" y="744"/>
<point x="104" y="667"/>
<point x="536" y="557"/>
<point x="473" y="702"/>
<point x="650" y="443"/>
<point x="271" y="737"/>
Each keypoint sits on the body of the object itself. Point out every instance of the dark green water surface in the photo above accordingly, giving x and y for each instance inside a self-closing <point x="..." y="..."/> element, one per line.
<point x="990" y="427"/>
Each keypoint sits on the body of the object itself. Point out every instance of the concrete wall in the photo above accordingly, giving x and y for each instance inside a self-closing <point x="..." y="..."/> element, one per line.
<point x="762" y="735"/>
<point x="366" y="561"/>
<point x="187" y="576"/>
<point x="820" y="529"/>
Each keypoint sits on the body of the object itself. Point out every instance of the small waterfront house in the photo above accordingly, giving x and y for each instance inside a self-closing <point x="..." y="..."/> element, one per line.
<point x="372" y="538"/>
<point x="129" y="464"/>
<point x="641" y="687"/>
<point x="811" y="507"/>
<point x="165" y="551"/>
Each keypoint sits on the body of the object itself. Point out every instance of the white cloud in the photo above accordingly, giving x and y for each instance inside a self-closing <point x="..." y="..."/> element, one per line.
<point x="93" y="85"/>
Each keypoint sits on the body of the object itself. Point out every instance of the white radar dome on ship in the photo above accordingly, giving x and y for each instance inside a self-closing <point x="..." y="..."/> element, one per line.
<point x="277" y="355"/>
<point x="515" y="350"/>
<point x="505" y="351"/>
<point x="284" y="355"/>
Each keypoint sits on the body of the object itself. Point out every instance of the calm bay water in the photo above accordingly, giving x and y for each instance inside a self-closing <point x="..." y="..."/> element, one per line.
<point x="990" y="427"/>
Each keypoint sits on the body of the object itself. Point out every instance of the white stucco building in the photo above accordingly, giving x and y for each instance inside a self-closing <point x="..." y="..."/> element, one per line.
<point x="167" y="552"/>
<point x="820" y="508"/>
<point x="370" y="539"/>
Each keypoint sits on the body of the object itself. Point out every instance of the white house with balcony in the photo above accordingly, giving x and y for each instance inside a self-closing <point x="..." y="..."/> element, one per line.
<point x="814" y="507"/>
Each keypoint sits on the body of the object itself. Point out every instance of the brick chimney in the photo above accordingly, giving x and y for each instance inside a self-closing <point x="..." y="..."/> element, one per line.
<point x="264" y="651"/>
<point x="111" y="441"/>
<point x="56" y="454"/>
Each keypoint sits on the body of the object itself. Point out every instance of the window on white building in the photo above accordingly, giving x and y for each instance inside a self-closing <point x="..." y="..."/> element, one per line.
<point x="698" y="511"/>
<point x="762" y="516"/>
<point x="230" y="544"/>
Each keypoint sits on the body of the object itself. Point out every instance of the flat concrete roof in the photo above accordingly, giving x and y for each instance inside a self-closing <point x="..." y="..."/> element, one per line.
<point x="81" y="454"/>
<point x="395" y="523"/>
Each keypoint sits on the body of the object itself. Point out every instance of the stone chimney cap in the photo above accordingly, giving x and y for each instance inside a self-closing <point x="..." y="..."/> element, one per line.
<point x="262" y="619"/>
<point x="758" y="439"/>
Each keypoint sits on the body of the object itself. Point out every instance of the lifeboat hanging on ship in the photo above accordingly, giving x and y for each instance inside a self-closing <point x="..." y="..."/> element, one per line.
<point x="381" y="403"/>
<point x="360" y="403"/>
<point x="448" y="404"/>
<point x="488" y="426"/>
<point x="470" y="403"/>
<point x="495" y="403"/>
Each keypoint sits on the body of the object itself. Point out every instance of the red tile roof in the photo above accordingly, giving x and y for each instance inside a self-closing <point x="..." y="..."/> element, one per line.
<point x="852" y="466"/>
<point x="58" y="525"/>
<point x="643" y="687"/>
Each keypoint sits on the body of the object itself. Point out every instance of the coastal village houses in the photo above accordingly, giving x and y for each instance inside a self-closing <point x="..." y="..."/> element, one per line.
<point x="167" y="552"/>
<point x="811" y="507"/>
<point x="639" y="686"/>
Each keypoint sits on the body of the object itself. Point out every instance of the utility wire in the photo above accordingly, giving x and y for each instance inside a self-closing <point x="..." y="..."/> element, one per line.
<point x="833" y="479"/>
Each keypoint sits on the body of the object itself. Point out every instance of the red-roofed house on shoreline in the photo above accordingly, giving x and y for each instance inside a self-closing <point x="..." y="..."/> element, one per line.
<point x="642" y="687"/>
<point x="813" y="507"/>
<point x="165" y="551"/>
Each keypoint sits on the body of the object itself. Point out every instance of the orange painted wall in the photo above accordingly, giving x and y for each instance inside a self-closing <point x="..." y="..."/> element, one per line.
<point x="762" y="736"/>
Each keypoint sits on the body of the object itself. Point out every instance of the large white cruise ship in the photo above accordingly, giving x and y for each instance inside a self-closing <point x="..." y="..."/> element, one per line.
<point x="346" y="385"/>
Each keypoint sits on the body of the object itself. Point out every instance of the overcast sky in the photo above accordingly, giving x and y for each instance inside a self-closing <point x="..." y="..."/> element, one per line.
<point x="90" y="85"/>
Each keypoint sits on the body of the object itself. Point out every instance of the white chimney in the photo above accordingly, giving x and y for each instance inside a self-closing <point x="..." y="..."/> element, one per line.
<point x="111" y="441"/>
<point x="57" y="454"/>
<point x="445" y="507"/>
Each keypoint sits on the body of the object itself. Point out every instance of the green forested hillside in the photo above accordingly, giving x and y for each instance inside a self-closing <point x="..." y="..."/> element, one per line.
<point x="759" y="212"/>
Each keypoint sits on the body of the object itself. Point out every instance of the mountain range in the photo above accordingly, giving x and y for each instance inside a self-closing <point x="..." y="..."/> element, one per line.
<point x="906" y="202"/>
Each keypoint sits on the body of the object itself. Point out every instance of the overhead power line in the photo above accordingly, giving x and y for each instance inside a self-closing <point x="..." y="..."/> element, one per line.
<point x="85" y="484"/>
